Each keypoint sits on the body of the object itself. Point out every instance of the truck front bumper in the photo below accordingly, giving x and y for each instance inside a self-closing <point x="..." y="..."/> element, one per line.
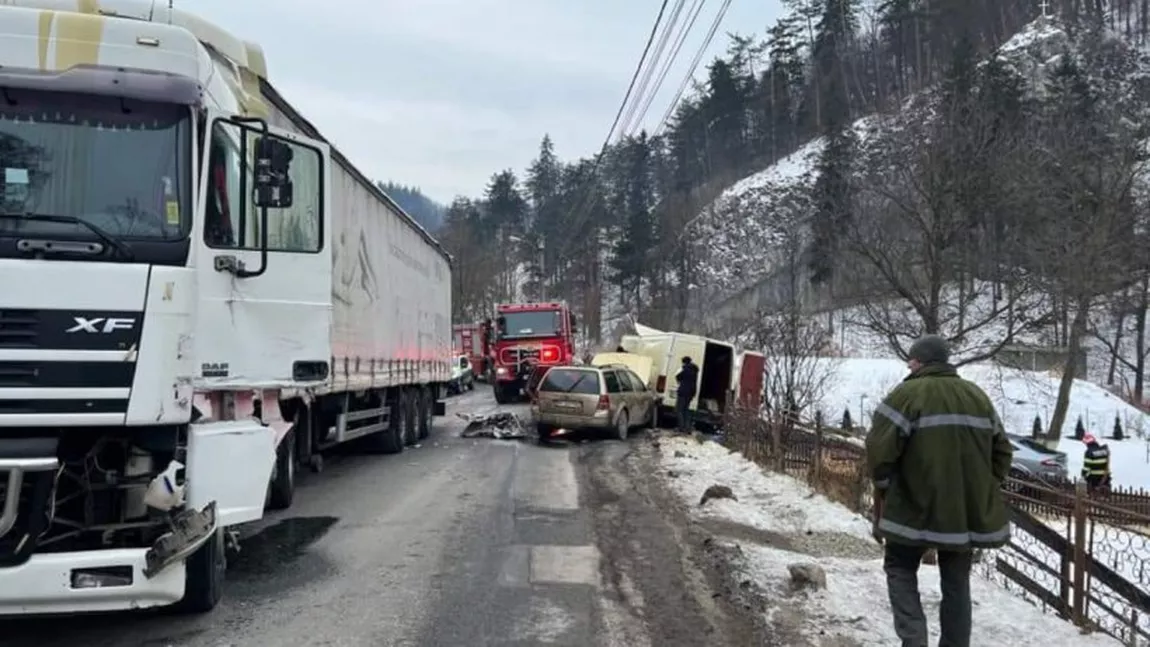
<point x="52" y="583"/>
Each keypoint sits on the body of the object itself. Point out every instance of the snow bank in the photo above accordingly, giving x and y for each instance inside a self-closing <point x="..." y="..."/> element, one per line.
<point x="854" y="605"/>
<point x="860" y="384"/>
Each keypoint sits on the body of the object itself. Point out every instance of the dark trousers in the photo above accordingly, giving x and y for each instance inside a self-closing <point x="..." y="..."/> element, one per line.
<point x="901" y="565"/>
<point x="683" y="411"/>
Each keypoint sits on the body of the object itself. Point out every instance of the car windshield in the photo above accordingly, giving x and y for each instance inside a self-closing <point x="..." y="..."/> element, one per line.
<point x="119" y="164"/>
<point x="539" y="323"/>
<point x="571" y="381"/>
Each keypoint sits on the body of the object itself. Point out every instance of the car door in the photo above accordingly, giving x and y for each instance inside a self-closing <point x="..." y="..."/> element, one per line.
<point x="264" y="312"/>
<point x="644" y="397"/>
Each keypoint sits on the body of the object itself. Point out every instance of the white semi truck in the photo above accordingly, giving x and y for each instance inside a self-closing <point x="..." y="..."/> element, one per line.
<point x="197" y="295"/>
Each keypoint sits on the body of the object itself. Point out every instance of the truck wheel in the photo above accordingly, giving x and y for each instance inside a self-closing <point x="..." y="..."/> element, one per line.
<point x="425" y="413"/>
<point x="501" y="393"/>
<point x="204" y="585"/>
<point x="282" y="488"/>
<point x="411" y="426"/>
<point x="390" y="440"/>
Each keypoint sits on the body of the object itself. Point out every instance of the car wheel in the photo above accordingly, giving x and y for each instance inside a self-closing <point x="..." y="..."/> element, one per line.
<point x="623" y="426"/>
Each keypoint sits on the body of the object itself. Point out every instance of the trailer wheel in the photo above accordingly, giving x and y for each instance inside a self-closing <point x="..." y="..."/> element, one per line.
<point x="411" y="423"/>
<point x="425" y="413"/>
<point x="390" y="440"/>
<point x="204" y="585"/>
<point x="282" y="488"/>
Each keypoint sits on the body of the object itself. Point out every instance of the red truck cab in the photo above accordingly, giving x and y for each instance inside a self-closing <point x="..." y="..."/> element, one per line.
<point x="526" y="335"/>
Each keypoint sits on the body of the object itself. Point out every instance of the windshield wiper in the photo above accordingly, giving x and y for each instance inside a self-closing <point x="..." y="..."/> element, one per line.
<point x="104" y="236"/>
<point x="577" y="382"/>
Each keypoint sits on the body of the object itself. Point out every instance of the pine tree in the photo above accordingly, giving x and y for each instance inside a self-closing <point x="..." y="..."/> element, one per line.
<point x="847" y="423"/>
<point x="1079" y="429"/>
<point x="1036" y="431"/>
<point x="1118" y="433"/>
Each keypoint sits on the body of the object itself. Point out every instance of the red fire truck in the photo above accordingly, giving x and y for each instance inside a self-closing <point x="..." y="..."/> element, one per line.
<point x="527" y="335"/>
<point x="472" y="340"/>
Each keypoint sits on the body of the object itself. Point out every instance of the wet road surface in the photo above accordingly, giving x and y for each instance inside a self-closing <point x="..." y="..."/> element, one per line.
<point x="458" y="542"/>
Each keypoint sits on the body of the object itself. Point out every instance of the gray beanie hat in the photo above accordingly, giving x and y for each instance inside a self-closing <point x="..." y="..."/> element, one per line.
<point x="930" y="349"/>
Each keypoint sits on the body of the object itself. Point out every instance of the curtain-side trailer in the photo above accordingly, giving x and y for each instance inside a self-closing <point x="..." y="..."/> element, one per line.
<point x="198" y="293"/>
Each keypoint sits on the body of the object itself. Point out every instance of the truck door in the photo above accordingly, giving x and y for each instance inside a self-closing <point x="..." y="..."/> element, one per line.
<point x="264" y="311"/>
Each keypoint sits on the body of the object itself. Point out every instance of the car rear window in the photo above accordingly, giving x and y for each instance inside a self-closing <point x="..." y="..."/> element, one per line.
<point x="560" y="380"/>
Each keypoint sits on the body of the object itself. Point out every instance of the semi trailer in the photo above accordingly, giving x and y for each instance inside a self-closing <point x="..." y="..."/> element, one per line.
<point x="198" y="294"/>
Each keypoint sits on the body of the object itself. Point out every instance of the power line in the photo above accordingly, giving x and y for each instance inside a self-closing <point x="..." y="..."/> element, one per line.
<point x="694" y="64"/>
<point x="585" y="204"/>
<point x="635" y="76"/>
<point x="694" y="12"/>
<point x="664" y="36"/>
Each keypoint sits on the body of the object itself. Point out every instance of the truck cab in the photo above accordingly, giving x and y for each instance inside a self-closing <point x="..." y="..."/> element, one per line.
<point x="164" y="280"/>
<point x="526" y="335"/>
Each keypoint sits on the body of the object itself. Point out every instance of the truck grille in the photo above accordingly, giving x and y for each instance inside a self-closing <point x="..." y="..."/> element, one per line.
<point x="516" y="355"/>
<point x="18" y="328"/>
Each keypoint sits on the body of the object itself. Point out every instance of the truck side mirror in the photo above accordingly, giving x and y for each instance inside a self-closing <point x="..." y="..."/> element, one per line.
<point x="574" y="323"/>
<point x="272" y="185"/>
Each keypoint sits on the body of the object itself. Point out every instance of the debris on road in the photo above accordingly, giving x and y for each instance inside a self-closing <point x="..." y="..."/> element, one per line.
<point x="503" y="425"/>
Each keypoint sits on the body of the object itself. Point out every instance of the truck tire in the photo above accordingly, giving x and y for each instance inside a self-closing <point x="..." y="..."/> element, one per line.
<point x="204" y="585"/>
<point x="281" y="491"/>
<point x="390" y="440"/>
<point x="425" y="413"/>
<point x="411" y="426"/>
<point x="501" y="393"/>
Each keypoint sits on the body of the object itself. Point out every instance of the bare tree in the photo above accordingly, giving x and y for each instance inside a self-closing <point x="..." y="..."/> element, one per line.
<point x="916" y="244"/>
<point x="799" y="365"/>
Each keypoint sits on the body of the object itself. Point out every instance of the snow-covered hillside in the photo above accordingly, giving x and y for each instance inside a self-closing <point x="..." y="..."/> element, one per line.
<point x="858" y="385"/>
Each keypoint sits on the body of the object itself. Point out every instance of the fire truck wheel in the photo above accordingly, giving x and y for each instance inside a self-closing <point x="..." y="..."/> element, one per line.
<point x="205" y="568"/>
<point x="501" y="393"/>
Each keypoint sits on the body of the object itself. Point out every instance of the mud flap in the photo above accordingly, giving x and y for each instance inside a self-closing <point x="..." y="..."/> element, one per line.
<point x="190" y="529"/>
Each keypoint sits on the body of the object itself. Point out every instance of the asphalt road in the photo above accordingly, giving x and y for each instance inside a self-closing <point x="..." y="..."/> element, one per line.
<point x="458" y="542"/>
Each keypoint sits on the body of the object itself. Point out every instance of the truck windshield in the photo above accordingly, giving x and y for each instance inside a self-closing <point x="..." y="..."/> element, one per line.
<point x="540" y="323"/>
<point x="119" y="164"/>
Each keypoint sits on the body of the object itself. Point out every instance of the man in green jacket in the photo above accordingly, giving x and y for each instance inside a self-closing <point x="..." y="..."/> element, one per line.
<point x="938" y="455"/>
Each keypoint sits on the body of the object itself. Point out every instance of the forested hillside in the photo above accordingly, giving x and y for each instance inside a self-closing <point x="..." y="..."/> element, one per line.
<point x="1016" y="162"/>
<point x="426" y="211"/>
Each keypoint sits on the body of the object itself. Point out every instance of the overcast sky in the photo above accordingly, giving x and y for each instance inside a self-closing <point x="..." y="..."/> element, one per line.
<point x="442" y="93"/>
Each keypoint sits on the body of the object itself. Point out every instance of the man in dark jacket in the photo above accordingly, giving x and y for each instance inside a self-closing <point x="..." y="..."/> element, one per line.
<point x="1095" y="463"/>
<point x="688" y="378"/>
<point x="938" y="455"/>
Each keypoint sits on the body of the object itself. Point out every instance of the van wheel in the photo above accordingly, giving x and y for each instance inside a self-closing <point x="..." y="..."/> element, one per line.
<point x="204" y="585"/>
<point x="623" y="426"/>
<point x="282" y="489"/>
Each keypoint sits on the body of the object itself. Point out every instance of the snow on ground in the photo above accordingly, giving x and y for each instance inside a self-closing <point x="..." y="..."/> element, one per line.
<point x="800" y="526"/>
<point x="860" y="384"/>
